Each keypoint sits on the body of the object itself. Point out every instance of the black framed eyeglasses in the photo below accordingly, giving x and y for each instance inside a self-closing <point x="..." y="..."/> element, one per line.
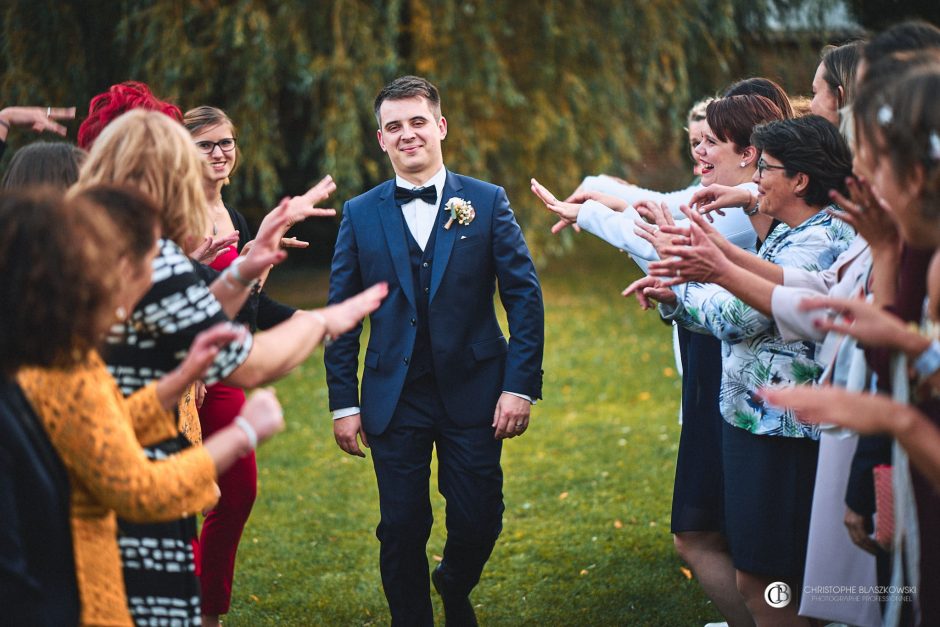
<point x="225" y="145"/>
<point x="763" y="165"/>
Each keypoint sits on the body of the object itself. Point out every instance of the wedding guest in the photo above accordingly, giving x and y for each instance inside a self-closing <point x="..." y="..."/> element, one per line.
<point x="215" y="137"/>
<point x="777" y="292"/>
<point x="600" y="187"/>
<point x="762" y="445"/>
<point x="44" y="163"/>
<point x="698" y="512"/>
<point x="834" y="82"/>
<point x="151" y="152"/>
<point x="98" y="433"/>
<point x="37" y="570"/>
<point x="899" y="138"/>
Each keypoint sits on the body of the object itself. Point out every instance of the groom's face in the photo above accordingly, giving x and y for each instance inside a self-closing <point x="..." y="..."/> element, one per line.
<point x="411" y="135"/>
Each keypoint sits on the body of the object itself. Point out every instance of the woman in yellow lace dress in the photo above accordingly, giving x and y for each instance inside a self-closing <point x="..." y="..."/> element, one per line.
<point x="96" y="431"/>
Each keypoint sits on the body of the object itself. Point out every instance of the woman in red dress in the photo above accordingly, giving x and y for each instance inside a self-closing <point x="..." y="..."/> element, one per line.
<point x="215" y="138"/>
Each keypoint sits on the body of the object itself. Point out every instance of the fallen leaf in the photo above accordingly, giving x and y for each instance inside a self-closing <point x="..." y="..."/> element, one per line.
<point x="668" y="372"/>
<point x="254" y="598"/>
<point x="618" y="524"/>
<point x="686" y="572"/>
<point x="563" y="496"/>
<point x="584" y="571"/>
<point x="644" y="396"/>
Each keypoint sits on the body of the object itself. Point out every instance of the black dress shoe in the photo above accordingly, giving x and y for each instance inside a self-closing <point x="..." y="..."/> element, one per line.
<point x="458" y="611"/>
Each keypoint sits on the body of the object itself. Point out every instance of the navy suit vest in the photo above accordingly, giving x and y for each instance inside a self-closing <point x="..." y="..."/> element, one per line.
<point x="421" y="358"/>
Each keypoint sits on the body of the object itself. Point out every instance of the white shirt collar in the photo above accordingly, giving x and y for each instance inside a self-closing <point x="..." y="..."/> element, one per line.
<point x="437" y="181"/>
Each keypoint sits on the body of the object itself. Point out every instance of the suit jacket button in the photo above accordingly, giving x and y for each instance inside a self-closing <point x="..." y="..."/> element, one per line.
<point x="413" y="322"/>
<point x="425" y="264"/>
<point x="427" y="289"/>
<point x="406" y="361"/>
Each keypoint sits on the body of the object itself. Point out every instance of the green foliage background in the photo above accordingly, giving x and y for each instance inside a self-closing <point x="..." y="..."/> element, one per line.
<point x="554" y="89"/>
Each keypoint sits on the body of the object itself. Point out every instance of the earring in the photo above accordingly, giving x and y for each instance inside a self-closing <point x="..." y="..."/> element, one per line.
<point x="744" y="164"/>
<point x="121" y="313"/>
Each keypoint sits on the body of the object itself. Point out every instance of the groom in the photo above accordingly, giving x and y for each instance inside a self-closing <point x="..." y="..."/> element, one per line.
<point x="438" y="369"/>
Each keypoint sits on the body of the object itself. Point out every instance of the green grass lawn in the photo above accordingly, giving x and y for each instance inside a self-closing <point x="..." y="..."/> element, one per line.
<point x="588" y="488"/>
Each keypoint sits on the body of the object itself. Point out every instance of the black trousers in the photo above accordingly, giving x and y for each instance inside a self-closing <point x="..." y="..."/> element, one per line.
<point x="469" y="478"/>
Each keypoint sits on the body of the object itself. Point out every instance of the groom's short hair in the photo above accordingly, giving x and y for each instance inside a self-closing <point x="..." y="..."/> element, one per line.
<point x="409" y="87"/>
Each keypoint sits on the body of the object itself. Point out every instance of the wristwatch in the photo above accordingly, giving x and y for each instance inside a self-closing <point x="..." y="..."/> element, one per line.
<point x="750" y="212"/>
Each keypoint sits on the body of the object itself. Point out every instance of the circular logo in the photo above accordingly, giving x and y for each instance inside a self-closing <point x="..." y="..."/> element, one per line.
<point x="777" y="594"/>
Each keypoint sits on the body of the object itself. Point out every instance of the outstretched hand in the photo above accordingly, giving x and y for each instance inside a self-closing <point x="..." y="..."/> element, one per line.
<point x="40" y="119"/>
<point x="701" y="261"/>
<point x="211" y="247"/>
<point x="647" y="288"/>
<point x="716" y="198"/>
<point x="568" y="212"/>
<point x="865" y="413"/>
<point x="345" y="315"/>
<point x="263" y="412"/>
<point x="871" y="325"/>
<point x="205" y="348"/>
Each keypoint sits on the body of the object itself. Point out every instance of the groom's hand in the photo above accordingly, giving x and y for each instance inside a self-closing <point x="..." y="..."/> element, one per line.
<point x="511" y="417"/>
<point x="345" y="431"/>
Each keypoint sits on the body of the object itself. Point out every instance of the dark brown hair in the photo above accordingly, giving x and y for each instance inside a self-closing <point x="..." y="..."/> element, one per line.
<point x="760" y="86"/>
<point x="57" y="277"/>
<point x="734" y="118"/>
<point x="812" y="145"/>
<point x="898" y="118"/>
<point x="409" y="87"/>
<point x="44" y="163"/>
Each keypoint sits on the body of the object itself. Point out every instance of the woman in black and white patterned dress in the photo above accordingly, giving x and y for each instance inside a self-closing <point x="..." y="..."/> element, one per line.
<point x="140" y="148"/>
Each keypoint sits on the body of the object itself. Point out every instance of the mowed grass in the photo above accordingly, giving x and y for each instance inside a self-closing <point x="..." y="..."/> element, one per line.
<point x="588" y="488"/>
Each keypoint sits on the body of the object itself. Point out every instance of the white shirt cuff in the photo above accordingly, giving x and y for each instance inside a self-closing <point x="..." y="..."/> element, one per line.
<point x="344" y="412"/>
<point x="528" y="398"/>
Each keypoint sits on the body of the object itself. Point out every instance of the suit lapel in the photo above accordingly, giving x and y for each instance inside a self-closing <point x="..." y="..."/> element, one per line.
<point x="394" y="227"/>
<point x="445" y="237"/>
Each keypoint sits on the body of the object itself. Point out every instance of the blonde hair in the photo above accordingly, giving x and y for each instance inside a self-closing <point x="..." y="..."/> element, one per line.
<point x="155" y="154"/>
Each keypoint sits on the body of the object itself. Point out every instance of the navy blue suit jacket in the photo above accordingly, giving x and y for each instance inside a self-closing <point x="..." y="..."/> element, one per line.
<point x="473" y="363"/>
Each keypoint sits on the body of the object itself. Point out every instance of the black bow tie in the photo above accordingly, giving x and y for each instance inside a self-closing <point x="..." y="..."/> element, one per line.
<point x="427" y="194"/>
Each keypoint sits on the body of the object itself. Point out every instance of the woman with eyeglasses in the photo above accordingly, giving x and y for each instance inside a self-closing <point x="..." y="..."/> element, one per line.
<point x="215" y="138"/>
<point x="769" y="457"/>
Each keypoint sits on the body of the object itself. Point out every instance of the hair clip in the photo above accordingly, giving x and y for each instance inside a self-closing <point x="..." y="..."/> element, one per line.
<point x="934" y="146"/>
<point x="885" y="115"/>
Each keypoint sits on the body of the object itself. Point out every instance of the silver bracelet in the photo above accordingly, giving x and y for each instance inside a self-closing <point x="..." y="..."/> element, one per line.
<point x="327" y="338"/>
<point x="235" y="274"/>
<point x="245" y="426"/>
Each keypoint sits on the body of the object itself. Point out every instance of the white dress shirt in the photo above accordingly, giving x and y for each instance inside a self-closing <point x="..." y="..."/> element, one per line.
<point x="419" y="215"/>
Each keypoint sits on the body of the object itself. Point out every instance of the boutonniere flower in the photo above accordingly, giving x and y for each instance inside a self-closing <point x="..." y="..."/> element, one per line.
<point x="460" y="210"/>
